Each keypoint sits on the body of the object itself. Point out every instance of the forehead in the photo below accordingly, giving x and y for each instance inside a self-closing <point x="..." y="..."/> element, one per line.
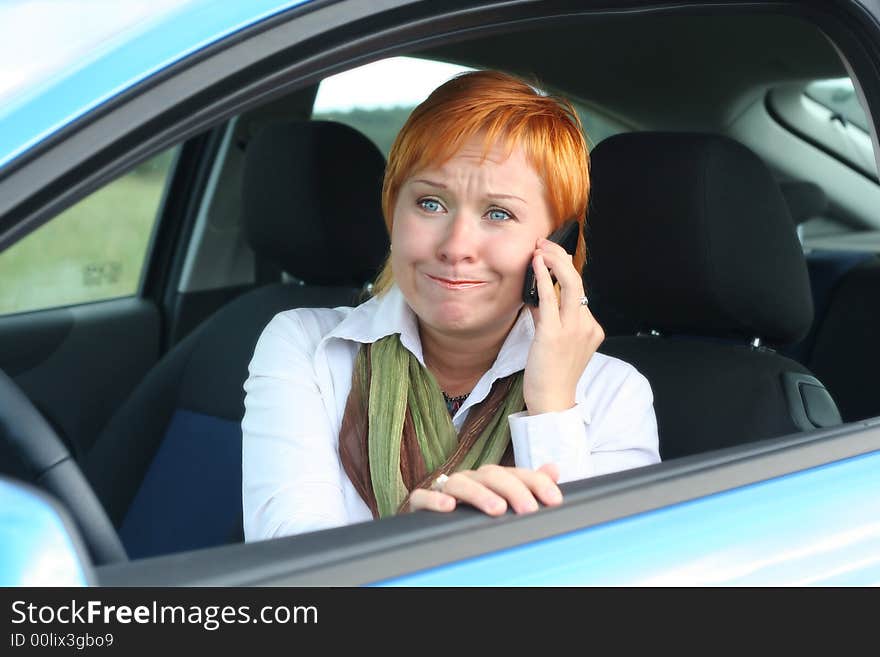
<point x="498" y="157"/>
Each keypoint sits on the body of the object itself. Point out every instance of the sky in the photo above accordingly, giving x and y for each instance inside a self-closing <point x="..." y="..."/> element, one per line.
<point x="414" y="80"/>
<point x="38" y="37"/>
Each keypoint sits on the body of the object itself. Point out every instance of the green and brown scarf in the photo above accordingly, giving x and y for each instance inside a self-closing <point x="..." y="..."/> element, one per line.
<point x="397" y="435"/>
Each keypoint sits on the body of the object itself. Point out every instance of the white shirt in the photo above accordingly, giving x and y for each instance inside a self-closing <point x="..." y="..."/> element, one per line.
<point x="300" y="376"/>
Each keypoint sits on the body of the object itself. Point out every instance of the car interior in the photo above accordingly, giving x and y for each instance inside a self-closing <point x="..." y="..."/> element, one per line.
<point x="733" y="261"/>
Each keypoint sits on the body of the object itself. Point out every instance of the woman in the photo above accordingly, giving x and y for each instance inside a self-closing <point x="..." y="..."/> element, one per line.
<point x="444" y="388"/>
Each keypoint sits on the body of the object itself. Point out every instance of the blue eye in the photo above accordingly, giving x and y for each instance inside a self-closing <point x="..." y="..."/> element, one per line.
<point x="496" y="214"/>
<point x="430" y="205"/>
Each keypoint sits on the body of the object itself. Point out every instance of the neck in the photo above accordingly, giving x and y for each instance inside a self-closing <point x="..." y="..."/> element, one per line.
<point x="458" y="362"/>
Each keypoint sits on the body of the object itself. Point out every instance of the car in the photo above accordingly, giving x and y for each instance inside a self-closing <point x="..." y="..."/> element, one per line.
<point x="170" y="183"/>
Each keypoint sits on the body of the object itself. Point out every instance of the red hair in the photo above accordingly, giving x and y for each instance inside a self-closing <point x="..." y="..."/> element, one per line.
<point x="509" y="112"/>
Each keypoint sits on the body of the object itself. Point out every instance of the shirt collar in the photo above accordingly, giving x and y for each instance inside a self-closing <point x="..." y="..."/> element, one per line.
<point x="379" y="317"/>
<point x="389" y="313"/>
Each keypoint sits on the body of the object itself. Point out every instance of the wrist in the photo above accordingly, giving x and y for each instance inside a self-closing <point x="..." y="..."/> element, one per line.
<point x="549" y="406"/>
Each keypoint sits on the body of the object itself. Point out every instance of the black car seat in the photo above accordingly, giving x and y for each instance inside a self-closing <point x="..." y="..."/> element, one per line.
<point x="846" y="351"/>
<point x="804" y="201"/>
<point x="695" y="267"/>
<point x="168" y="465"/>
<point x="842" y="347"/>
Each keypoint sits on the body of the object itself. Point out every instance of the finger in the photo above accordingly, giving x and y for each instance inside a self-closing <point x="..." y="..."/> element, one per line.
<point x="550" y="493"/>
<point x="429" y="500"/>
<point x="546" y="293"/>
<point x="572" y="310"/>
<point x="551" y="470"/>
<point x="465" y="488"/>
<point x="523" y="487"/>
<point x="510" y="484"/>
<point x="570" y="281"/>
<point x="542" y="483"/>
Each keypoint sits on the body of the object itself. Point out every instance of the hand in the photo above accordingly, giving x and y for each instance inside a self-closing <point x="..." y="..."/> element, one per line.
<point x="566" y="333"/>
<point x="492" y="488"/>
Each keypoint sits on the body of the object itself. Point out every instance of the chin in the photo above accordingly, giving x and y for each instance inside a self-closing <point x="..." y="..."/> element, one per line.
<point x="468" y="321"/>
<point x="454" y="319"/>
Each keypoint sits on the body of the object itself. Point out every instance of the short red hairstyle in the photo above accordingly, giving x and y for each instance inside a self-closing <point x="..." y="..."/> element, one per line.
<point x="511" y="113"/>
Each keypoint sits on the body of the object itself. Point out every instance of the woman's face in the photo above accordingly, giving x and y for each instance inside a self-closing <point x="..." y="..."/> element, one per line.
<point x="463" y="235"/>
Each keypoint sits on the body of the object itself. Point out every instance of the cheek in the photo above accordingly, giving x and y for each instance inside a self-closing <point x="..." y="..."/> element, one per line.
<point x="406" y="238"/>
<point x="513" y="256"/>
<point x="410" y="245"/>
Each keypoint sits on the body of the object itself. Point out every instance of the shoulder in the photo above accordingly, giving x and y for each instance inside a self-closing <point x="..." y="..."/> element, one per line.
<point x="609" y="377"/>
<point x="299" y="329"/>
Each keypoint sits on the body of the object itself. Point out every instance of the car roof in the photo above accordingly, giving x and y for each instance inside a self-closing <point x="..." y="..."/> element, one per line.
<point x="655" y="81"/>
<point x="42" y="106"/>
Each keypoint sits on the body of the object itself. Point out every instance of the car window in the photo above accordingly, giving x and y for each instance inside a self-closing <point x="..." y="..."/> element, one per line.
<point x="363" y="99"/>
<point x="824" y="139"/>
<point x="839" y="95"/>
<point x="827" y="114"/>
<point x="94" y="250"/>
<point x="97" y="248"/>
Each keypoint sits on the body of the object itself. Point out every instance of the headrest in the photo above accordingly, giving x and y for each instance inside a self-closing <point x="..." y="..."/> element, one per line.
<point x="311" y="202"/>
<point x="805" y="200"/>
<point x="689" y="234"/>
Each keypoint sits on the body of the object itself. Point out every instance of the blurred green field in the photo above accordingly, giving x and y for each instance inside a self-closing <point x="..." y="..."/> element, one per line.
<point x="92" y="251"/>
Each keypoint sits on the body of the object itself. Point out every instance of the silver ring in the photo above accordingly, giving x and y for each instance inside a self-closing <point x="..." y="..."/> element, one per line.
<point x="439" y="483"/>
<point x="585" y="301"/>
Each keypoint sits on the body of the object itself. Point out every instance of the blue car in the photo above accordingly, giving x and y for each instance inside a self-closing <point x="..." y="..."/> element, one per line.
<point x="180" y="173"/>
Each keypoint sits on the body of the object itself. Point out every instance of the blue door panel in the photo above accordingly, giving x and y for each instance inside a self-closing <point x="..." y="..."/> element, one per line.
<point x="816" y="527"/>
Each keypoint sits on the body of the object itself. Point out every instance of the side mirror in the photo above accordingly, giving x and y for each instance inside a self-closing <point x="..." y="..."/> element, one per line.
<point x="39" y="544"/>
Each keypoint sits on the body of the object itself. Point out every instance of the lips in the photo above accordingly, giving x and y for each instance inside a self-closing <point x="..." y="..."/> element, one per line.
<point x="455" y="284"/>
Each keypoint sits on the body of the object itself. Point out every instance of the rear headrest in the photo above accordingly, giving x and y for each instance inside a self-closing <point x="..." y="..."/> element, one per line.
<point x="805" y="200"/>
<point x="689" y="234"/>
<point x="311" y="202"/>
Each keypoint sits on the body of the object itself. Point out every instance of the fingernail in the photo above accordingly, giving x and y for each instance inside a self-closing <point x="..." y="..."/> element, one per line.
<point x="496" y="505"/>
<point x="553" y="495"/>
<point x="529" y="507"/>
<point x="447" y="503"/>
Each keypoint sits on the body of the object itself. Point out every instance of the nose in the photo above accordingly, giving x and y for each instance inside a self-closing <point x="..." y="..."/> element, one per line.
<point x="459" y="242"/>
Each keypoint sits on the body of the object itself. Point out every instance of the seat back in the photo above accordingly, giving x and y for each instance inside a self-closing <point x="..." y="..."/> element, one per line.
<point x="841" y="346"/>
<point x="696" y="270"/>
<point x="168" y="465"/>
<point x="846" y="351"/>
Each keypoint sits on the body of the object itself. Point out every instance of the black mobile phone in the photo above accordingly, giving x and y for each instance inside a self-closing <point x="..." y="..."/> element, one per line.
<point x="567" y="236"/>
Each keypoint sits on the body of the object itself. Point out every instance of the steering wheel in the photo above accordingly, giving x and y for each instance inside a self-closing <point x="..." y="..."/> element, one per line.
<point x="25" y="431"/>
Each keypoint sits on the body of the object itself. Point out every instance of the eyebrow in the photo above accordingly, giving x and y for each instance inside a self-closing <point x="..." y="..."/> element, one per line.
<point x="440" y="185"/>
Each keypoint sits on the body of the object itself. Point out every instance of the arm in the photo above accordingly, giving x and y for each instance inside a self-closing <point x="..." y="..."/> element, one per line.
<point x="291" y="477"/>
<point x="587" y="414"/>
<point x="577" y="425"/>
<point x="608" y="433"/>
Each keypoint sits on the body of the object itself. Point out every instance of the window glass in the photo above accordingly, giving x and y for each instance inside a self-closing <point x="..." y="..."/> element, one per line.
<point x="93" y="251"/>
<point x="839" y="95"/>
<point x="827" y="115"/>
<point x="363" y="98"/>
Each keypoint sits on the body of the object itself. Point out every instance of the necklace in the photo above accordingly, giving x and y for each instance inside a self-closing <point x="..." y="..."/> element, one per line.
<point x="454" y="403"/>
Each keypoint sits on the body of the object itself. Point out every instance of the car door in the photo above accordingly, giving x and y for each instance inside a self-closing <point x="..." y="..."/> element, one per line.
<point x="76" y="330"/>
